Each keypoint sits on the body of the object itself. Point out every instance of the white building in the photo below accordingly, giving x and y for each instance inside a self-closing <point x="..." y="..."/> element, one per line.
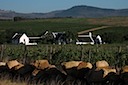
<point x="85" y="39"/>
<point x="21" y="39"/>
<point x="98" y="40"/>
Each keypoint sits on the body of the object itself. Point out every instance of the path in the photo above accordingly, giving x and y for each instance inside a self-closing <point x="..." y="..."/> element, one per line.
<point x="93" y="29"/>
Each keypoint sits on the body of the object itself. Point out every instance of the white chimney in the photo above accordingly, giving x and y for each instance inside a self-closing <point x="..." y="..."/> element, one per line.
<point x="90" y="34"/>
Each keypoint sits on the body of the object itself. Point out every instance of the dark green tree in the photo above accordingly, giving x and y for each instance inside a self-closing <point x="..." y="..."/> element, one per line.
<point x="2" y="37"/>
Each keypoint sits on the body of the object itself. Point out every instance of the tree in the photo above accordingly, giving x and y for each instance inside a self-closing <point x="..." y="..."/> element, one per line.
<point x="17" y="18"/>
<point x="70" y="37"/>
<point x="2" y="37"/>
<point x="112" y="37"/>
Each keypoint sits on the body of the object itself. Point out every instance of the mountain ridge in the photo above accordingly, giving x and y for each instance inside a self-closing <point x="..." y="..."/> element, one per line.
<point x="81" y="11"/>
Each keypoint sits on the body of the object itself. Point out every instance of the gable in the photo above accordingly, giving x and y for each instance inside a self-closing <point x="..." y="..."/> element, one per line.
<point x="24" y="36"/>
<point x="24" y="39"/>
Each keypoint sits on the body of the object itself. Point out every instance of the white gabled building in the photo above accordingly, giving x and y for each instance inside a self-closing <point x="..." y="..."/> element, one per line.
<point x="85" y="39"/>
<point x="21" y="39"/>
<point x="98" y="40"/>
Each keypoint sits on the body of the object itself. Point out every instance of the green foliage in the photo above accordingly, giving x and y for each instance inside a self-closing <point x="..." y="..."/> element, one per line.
<point x="114" y="54"/>
<point x="113" y="34"/>
<point x="2" y="37"/>
<point x="17" y="19"/>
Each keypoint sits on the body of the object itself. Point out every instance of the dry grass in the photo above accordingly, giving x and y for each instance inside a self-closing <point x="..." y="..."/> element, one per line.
<point x="9" y="82"/>
<point x="112" y="21"/>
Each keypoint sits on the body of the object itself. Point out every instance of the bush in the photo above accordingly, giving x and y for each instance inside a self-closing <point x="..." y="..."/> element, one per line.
<point x="114" y="54"/>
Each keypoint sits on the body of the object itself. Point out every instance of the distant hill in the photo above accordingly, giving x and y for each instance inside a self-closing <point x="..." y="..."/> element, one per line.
<point x="91" y="12"/>
<point x="75" y="12"/>
<point x="10" y="14"/>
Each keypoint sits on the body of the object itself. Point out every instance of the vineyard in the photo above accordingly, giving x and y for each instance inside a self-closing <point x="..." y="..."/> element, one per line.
<point x="116" y="52"/>
<point x="113" y="53"/>
<point x="61" y="68"/>
<point x="116" y="27"/>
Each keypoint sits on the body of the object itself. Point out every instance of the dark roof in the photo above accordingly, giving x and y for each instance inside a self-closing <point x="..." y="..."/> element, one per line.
<point x="84" y="39"/>
<point x="17" y="36"/>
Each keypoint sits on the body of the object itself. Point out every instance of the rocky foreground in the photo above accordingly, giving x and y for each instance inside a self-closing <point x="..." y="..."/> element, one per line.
<point x="41" y="72"/>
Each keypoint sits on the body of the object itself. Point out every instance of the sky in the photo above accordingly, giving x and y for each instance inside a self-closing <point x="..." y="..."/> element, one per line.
<point x="44" y="6"/>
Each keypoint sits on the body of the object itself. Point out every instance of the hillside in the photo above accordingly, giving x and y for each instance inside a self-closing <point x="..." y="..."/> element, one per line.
<point x="92" y="12"/>
<point x="76" y="12"/>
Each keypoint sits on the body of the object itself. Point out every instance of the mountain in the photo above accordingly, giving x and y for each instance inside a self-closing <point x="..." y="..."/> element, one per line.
<point x="76" y="12"/>
<point x="93" y="12"/>
<point x="11" y="14"/>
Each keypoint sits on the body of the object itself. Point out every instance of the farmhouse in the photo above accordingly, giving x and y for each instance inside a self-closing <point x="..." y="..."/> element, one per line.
<point x="19" y="38"/>
<point x="85" y="39"/>
<point x="98" y="40"/>
<point x="55" y="37"/>
<point x="52" y="37"/>
<point x="88" y="38"/>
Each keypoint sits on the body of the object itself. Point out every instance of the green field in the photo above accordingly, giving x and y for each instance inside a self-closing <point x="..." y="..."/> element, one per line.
<point x="119" y="27"/>
<point x="35" y="27"/>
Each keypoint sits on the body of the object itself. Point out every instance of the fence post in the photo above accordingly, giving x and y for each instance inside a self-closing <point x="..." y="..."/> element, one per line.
<point x="25" y="54"/>
<point x="117" y="62"/>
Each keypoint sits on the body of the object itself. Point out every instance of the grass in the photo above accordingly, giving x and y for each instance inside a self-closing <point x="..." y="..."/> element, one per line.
<point x="9" y="82"/>
<point x="113" y="29"/>
<point x="34" y="27"/>
<point x="112" y="21"/>
<point x="38" y="26"/>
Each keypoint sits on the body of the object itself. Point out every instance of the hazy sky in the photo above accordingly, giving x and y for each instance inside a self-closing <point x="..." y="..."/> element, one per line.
<point x="43" y="6"/>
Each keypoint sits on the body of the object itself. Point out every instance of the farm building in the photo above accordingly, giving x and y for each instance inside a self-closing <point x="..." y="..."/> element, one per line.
<point x="34" y="39"/>
<point x="49" y="37"/>
<point x="21" y="39"/>
<point x="55" y="37"/>
<point x="85" y="39"/>
<point x="98" y="40"/>
<point x="88" y="38"/>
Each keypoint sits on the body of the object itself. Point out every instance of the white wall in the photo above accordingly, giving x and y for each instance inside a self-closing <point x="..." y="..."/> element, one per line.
<point x="24" y="39"/>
